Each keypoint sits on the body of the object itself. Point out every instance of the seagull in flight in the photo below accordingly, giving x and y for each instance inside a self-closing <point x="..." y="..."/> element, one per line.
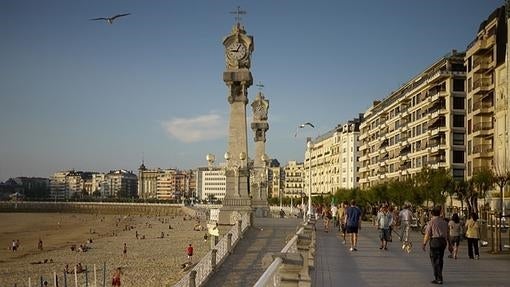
<point x="110" y="19"/>
<point x="306" y="124"/>
<point x="302" y="126"/>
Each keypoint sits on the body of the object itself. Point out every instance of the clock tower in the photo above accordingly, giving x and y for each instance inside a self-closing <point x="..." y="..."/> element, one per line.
<point x="237" y="76"/>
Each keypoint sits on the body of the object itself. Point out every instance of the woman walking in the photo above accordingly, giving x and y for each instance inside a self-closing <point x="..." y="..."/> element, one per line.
<point x="454" y="228"/>
<point x="473" y="234"/>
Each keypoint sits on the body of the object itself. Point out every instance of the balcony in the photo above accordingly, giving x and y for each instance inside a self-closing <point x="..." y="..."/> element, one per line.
<point x="482" y="85"/>
<point x="482" y="64"/>
<point x="482" y="126"/>
<point x="482" y="151"/>
<point x="479" y="46"/>
<point x="483" y="107"/>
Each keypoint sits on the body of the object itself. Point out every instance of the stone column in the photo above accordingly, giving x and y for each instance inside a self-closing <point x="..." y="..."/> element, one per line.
<point x="259" y="182"/>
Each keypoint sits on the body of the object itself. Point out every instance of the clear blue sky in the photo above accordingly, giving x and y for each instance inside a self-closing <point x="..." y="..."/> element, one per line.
<point x="83" y="94"/>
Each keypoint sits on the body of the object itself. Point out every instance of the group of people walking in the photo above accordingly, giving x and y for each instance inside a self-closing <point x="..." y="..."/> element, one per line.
<point x="440" y="233"/>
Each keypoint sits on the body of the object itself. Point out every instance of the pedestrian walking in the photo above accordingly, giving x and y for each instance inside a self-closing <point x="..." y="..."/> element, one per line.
<point x="353" y="224"/>
<point x="454" y="228"/>
<point x="384" y="221"/>
<point x="436" y="234"/>
<point x="405" y="217"/>
<point x="341" y="218"/>
<point x="473" y="235"/>
<point x="334" y="212"/>
<point x="189" y="252"/>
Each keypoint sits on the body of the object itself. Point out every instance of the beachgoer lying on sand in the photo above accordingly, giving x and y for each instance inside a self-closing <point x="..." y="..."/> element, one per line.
<point x="79" y="268"/>
<point x="42" y="262"/>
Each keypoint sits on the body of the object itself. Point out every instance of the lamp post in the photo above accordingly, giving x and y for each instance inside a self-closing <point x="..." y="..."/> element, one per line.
<point x="309" y="146"/>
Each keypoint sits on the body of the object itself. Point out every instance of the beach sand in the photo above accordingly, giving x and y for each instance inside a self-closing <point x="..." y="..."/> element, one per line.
<point x="152" y="261"/>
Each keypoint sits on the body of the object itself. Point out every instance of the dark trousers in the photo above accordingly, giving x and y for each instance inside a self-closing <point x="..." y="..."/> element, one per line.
<point x="436" y="256"/>
<point x="472" y="244"/>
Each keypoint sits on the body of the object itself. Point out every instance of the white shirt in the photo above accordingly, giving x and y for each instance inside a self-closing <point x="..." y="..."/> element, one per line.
<point x="334" y="210"/>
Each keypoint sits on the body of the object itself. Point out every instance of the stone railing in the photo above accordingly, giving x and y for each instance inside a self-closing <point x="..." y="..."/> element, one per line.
<point x="291" y="267"/>
<point x="199" y="275"/>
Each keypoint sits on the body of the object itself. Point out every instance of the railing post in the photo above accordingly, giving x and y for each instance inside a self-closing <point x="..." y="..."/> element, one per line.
<point x="214" y="241"/>
<point x="192" y="278"/>
<point x="213" y="259"/>
<point x="229" y="243"/>
<point x="240" y="228"/>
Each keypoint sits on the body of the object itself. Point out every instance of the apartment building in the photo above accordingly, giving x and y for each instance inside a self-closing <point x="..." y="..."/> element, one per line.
<point x="276" y="179"/>
<point x="120" y="184"/>
<point x="66" y="184"/>
<point x="487" y="103"/>
<point x="212" y="183"/>
<point x="293" y="180"/>
<point x="422" y="124"/>
<point x="332" y="161"/>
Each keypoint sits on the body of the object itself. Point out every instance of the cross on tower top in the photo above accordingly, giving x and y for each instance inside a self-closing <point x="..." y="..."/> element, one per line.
<point x="238" y="13"/>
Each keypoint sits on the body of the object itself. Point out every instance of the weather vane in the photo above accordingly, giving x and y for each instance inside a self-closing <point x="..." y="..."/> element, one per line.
<point x="260" y="86"/>
<point x="238" y="13"/>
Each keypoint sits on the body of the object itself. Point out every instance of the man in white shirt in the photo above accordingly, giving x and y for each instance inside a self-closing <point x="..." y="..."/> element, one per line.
<point x="405" y="216"/>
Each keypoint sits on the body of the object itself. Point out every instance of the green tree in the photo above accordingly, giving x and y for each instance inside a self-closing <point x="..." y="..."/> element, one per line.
<point x="483" y="181"/>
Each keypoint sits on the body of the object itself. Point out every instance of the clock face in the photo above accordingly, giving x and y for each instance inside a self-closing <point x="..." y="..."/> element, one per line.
<point x="236" y="51"/>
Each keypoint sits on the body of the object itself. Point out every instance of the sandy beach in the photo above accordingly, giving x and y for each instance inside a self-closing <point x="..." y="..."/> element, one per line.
<point x="153" y="261"/>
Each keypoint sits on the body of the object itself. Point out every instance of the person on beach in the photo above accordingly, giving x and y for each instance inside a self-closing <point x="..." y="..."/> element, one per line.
<point x="116" y="277"/>
<point x="14" y="246"/>
<point x="40" y="244"/>
<point x="124" y="250"/>
<point x="189" y="252"/>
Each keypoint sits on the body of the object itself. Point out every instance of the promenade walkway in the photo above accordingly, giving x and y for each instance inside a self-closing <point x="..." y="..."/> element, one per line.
<point x="335" y="265"/>
<point x="244" y="266"/>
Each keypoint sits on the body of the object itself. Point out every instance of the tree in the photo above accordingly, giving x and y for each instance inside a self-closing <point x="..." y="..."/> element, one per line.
<point x="483" y="180"/>
<point x="460" y="188"/>
<point x="501" y="178"/>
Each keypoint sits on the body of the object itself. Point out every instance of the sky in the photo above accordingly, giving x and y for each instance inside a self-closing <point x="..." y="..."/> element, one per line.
<point x="86" y="95"/>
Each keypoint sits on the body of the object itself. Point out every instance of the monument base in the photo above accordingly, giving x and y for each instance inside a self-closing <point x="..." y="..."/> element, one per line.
<point x="233" y="209"/>
<point x="260" y="208"/>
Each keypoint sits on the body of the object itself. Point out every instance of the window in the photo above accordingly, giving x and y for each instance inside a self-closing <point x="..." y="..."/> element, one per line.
<point x="458" y="85"/>
<point x="469" y="147"/>
<point x="458" y="139"/>
<point x="458" y="156"/>
<point x="458" y="121"/>
<point x="458" y="173"/>
<point x="469" y="168"/>
<point x="458" y="103"/>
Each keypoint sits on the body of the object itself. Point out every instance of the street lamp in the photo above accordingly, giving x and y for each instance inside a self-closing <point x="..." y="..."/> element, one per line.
<point x="309" y="146"/>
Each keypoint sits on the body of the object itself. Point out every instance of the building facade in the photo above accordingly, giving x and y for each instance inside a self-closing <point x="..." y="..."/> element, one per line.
<point x="332" y="161"/>
<point x="120" y="184"/>
<point x="293" y="180"/>
<point x="422" y="124"/>
<point x="212" y="183"/>
<point x="486" y="96"/>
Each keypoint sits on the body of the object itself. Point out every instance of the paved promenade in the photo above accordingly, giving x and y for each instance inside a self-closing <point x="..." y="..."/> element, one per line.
<point x="244" y="266"/>
<point x="335" y="265"/>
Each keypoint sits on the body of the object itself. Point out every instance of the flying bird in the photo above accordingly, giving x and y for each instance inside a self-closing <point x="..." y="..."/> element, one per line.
<point x="110" y="19"/>
<point x="302" y="126"/>
<point x="306" y="124"/>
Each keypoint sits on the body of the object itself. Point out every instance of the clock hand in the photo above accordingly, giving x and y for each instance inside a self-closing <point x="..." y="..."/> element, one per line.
<point x="238" y="46"/>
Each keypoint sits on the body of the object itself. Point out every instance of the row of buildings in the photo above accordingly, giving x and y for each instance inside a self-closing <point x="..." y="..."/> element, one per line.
<point x="452" y="115"/>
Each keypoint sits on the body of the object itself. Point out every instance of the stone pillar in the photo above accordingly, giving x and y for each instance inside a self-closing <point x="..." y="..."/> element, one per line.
<point x="214" y="241"/>
<point x="213" y="258"/>
<point x="259" y="182"/>
<point x="229" y="243"/>
<point x="237" y="76"/>
<point x="192" y="278"/>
